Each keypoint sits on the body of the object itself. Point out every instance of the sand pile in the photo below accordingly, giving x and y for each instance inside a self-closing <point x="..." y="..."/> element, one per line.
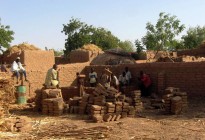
<point x="91" y="47"/>
<point x="21" y="47"/>
<point x="112" y="59"/>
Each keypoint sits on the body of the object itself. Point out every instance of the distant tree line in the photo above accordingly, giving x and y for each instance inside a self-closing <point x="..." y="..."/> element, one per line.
<point x="164" y="35"/>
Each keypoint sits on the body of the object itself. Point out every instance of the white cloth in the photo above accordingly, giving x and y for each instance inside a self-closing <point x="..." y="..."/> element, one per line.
<point x="93" y="77"/>
<point x="17" y="66"/>
<point x="128" y="75"/>
<point x="116" y="80"/>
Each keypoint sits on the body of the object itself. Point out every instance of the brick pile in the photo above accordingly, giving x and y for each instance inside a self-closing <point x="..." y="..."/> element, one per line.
<point x="53" y="106"/>
<point x="50" y="102"/>
<point x="176" y="105"/>
<point x="18" y="124"/>
<point x="106" y="104"/>
<point x="175" y="101"/>
<point x="184" y="97"/>
<point x="136" y="97"/>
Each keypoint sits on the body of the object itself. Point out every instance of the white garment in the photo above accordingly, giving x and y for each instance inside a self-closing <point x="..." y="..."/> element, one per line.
<point x="128" y="75"/>
<point x="116" y="80"/>
<point x="16" y="66"/>
<point x="93" y="77"/>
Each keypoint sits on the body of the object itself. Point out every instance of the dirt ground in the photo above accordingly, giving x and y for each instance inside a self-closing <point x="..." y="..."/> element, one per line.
<point x="151" y="124"/>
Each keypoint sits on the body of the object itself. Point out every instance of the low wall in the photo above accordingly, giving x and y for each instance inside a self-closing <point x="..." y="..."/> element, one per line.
<point x="188" y="77"/>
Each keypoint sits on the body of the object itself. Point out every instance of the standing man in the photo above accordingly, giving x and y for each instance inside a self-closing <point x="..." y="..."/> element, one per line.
<point x="93" y="78"/>
<point x="18" y="69"/>
<point x="145" y="84"/>
<point x="52" y="77"/>
<point x="128" y="76"/>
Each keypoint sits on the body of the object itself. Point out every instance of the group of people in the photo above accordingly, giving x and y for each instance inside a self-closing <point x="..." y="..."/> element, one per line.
<point x="108" y="79"/>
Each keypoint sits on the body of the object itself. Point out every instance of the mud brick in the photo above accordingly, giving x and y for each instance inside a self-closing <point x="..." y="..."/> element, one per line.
<point x="71" y="109"/>
<point x="83" y="103"/>
<point x="118" y="103"/>
<point x="128" y="100"/>
<point x="118" y="116"/>
<point x="113" y="117"/>
<point x="76" y="109"/>
<point x="180" y="93"/>
<point x="110" y="105"/>
<point x="107" y="117"/>
<point x="95" y="112"/>
<point x="111" y="110"/>
<point x="167" y="96"/>
<point x="123" y="114"/>
<point x="97" y="118"/>
<point x="99" y="103"/>
<point x="102" y="112"/>
<point x="96" y="107"/>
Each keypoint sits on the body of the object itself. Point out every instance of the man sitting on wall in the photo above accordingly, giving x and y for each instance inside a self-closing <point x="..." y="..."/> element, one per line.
<point x="52" y="77"/>
<point x="18" y="69"/>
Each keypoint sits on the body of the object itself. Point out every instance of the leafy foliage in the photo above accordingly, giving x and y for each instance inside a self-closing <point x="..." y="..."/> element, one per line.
<point x="79" y="33"/>
<point x="162" y="35"/>
<point x="6" y="35"/>
<point x="139" y="46"/>
<point x="127" y="46"/>
<point x="194" y="37"/>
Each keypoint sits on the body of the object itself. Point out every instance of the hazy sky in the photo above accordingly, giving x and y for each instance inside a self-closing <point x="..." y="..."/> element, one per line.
<point x="40" y="22"/>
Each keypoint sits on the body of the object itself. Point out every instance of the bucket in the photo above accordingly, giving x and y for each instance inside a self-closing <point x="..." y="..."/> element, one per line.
<point x="21" y="91"/>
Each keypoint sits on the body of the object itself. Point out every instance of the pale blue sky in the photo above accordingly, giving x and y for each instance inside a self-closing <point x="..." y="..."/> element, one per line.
<point x="39" y="22"/>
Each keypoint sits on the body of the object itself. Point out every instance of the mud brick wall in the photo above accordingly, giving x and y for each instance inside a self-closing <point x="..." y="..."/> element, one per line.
<point x="9" y="59"/>
<point x="38" y="60"/>
<point x="189" y="77"/>
<point x="79" y="56"/>
<point x="193" y="52"/>
<point x="67" y="73"/>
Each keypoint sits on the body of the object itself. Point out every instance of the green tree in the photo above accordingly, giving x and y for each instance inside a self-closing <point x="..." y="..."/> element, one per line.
<point x="104" y="38"/>
<point x="6" y="36"/>
<point x="139" y="46"/>
<point x="162" y="35"/>
<point x="127" y="46"/>
<point x="194" y="37"/>
<point x="79" y="33"/>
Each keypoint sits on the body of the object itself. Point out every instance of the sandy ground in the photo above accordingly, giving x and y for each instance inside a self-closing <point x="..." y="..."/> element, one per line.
<point x="151" y="124"/>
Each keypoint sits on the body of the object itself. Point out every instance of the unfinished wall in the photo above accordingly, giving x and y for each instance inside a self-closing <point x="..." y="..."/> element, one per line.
<point x="38" y="60"/>
<point x="193" y="52"/>
<point x="188" y="77"/>
<point x="79" y="56"/>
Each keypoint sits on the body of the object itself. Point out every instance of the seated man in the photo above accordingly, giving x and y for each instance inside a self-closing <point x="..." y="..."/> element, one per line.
<point x="52" y="77"/>
<point x="18" y="69"/>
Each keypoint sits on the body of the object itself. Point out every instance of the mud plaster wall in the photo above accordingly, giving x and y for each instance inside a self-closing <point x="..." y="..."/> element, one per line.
<point x="193" y="52"/>
<point x="188" y="77"/>
<point x="38" y="60"/>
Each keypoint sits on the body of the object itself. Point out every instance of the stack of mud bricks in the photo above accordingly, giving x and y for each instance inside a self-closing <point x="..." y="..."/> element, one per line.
<point x="175" y="101"/>
<point x="184" y="97"/>
<point x="97" y="113"/>
<point x="176" y="105"/>
<point x="18" y="124"/>
<point x="136" y="97"/>
<point x="53" y="106"/>
<point x="83" y="104"/>
<point x="74" y="105"/>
